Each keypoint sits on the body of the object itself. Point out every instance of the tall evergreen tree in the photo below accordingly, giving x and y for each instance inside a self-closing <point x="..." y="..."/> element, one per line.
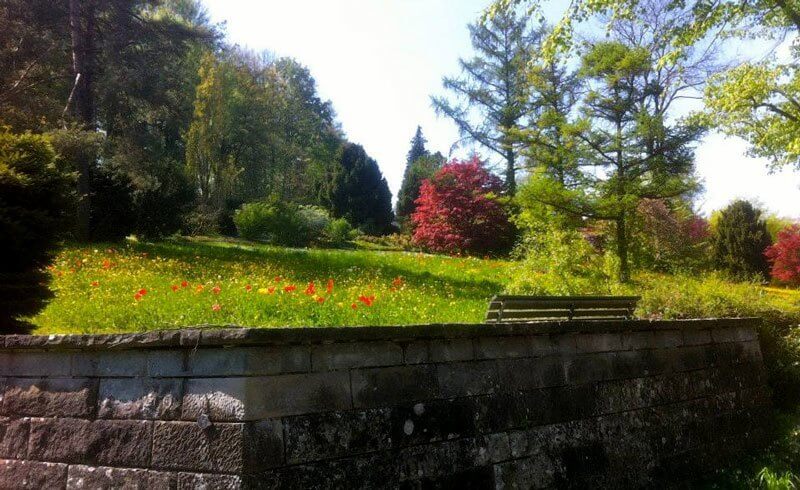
<point x="625" y="150"/>
<point x="360" y="192"/>
<point x="494" y="88"/>
<point x="409" y="189"/>
<point x="740" y="240"/>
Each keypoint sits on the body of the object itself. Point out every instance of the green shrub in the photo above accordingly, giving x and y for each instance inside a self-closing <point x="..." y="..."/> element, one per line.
<point x="281" y="223"/>
<point x="34" y="196"/>
<point x="740" y="240"/>
<point x="559" y="262"/>
<point x="339" y="232"/>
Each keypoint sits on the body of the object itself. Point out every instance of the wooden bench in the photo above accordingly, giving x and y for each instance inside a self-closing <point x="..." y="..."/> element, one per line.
<point x="509" y="308"/>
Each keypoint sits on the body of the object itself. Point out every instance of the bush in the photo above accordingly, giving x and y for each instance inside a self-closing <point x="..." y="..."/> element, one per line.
<point x="280" y="223"/>
<point x="459" y="211"/>
<point x="785" y="256"/>
<point x="740" y="240"/>
<point x="560" y="262"/>
<point x="33" y="198"/>
<point x="339" y="232"/>
<point x="670" y="239"/>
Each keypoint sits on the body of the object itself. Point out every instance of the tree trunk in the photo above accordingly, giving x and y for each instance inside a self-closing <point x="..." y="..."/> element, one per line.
<point x="622" y="248"/>
<point x="511" y="175"/>
<point x="81" y="22"/>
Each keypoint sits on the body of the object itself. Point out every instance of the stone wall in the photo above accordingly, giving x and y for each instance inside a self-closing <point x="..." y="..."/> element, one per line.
<point x="569" y="404"/>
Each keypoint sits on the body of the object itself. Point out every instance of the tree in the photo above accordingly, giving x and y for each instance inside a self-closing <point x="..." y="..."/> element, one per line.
<point x="755" y="101"/>
<point x="493" y="89"/>
<point x="740" y="240"/>
<point x="459" y="211"/>
<point x="784" y="255"/>
<point x="33" y="198"/>
<point x="360" y="192"/>
<point x="626" y="151"/>
<point x="420" y="165"/>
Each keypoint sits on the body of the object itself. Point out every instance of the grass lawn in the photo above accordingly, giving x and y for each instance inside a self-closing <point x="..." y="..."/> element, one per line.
<point x="142" y="286"/>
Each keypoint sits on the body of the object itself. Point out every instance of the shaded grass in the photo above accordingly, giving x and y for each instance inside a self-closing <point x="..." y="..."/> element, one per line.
<point x="96" y="286"/>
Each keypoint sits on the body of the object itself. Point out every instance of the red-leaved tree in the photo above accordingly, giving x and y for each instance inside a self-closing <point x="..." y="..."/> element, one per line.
<point x="784" y="255"/>
<point x="459" y="211"/>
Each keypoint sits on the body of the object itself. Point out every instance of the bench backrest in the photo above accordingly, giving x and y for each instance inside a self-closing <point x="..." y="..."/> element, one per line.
<point x="509" y="308"/>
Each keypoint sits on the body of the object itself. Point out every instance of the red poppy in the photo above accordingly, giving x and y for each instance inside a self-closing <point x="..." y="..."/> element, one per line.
<point x="367" y="300"/>
<point x="320" y="299"/>
<point x="289" y="288"/>
<point x="216" y="307"/>
<point x="107" y="264"/>
<point x="329" y="289"/>
<point x="175" y="287"/>
<point x="354" y="306"/>
<point x="199" y="288"/>
<point x="142" y="291"/>
<point x="397" y="282"/>
<point x="137" y="296"/>
<point x="184" y="284"/>
<point x="310" y="289"/>
<point x="95" y="284"/>
<point x="278" y="278"/>
<point x="216" y="290"/>
<point x="248" y="288"/>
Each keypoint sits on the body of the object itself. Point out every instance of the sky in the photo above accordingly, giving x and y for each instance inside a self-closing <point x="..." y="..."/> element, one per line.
<point x="379" y="61"/>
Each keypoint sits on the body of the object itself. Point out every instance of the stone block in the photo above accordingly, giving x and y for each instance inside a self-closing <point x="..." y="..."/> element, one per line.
<point x="445" y="350"/>
<point x="106" y="442"/>
<point x="724" y="334"/>
<point x="389" y="386"/>
<point x="169" y="363"/>
<point x="129" y="363"/>
<point x="221" y="399"/>
<point x="14" y="438"/>
<point x="15" y="474"/>
<point x="530" y="374"/>
<point x="192" y="481"/>
<point x="254" y="398"/>
<point x="249" y="361"/>
<point x="598" y="342"/>
<point x="82" y="476"/>
<point x="35" y="363"/>
<point x="513" y="346"/>
<point x="470" y="378"/>
<point x="345" y="355"/>
<point x="50" y="397"/>
<point x="590" y="368"/>
<point x="336" y="434"/>
<point x="434" y="421"/>
<point x="297" y="394"/>
<point x="536" y="472"/>
<point x="220" y="447"/>
<point x="696" y="337"/>
<point x="666" y="339"/>
<point x="636" y="340"/>
<point x="140" y="398"/>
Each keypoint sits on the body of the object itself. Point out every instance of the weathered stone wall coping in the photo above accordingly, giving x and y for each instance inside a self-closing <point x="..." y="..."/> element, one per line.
<point x="210" y="335"/>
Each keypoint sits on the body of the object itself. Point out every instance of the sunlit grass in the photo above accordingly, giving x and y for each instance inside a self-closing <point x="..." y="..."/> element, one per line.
<point x="139" y="286"/>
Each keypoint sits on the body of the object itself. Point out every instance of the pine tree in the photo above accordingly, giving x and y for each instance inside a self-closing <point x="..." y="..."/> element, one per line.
<point x="360" y="192"/>
<point x="740" y="241"/>
<point x="412" y="177"/>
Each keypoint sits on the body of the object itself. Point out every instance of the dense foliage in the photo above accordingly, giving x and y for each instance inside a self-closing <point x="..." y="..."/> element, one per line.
<point x="740" y="240"/>
<point x="420" y="165"/>
<point x="360" y="193"/>
<point x="784" y="255"/>
<point x="33" y="198"/>
<point x="460" y="211"/>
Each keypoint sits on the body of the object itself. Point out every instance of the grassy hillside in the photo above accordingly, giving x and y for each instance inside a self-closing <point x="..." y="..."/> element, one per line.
<point x="178" y="283"/>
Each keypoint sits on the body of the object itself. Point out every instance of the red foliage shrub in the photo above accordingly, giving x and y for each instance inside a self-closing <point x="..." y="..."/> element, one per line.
<point x="784" y="255"/>
<point x="459" y="211"/>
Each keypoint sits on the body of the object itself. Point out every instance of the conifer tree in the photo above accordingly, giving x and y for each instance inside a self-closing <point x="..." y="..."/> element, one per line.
<point x="360" y="192"/>
<point x="740" y="240"/>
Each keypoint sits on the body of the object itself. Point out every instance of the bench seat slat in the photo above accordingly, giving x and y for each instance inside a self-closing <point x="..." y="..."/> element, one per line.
<point x="620" y="312"/>
<point x="516" y="308"/>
